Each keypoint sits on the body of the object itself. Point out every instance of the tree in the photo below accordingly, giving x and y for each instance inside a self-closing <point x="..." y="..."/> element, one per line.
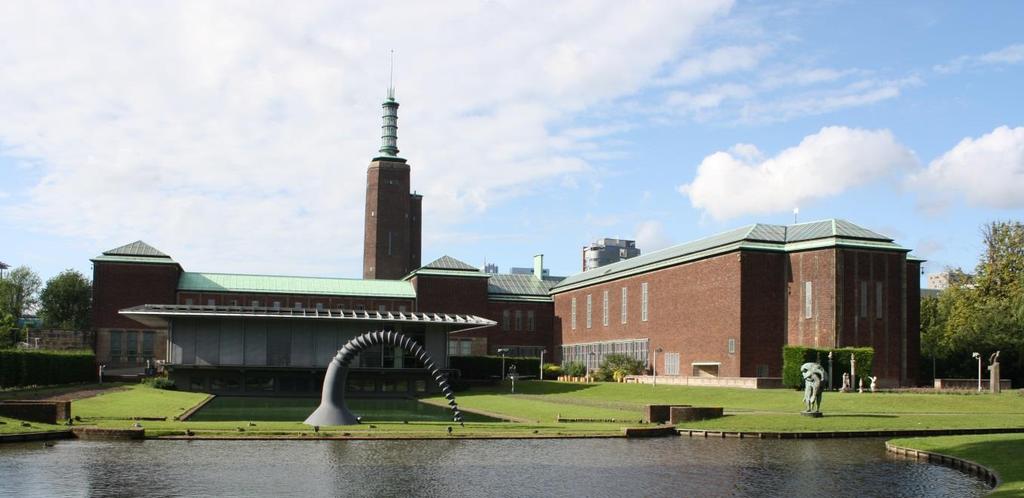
<point x="67" y="301"/>
<point x="1000" y="269"/>
<point x="19" y="291"/>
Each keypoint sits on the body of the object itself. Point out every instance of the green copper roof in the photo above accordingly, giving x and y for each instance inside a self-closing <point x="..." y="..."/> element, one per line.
<point x="229" y="282"/>
<point x="137" y="248"/>
<point x="517" y="285"/>
<point x="135" y="252"/>
<point x="449" y="263"/>
<point x="764" y="237"/>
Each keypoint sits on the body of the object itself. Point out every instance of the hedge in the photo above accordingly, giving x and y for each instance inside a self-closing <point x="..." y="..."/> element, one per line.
<point x="489" y="367"/>
<point x="795" y="356"/>
<point x="27" y="367"/>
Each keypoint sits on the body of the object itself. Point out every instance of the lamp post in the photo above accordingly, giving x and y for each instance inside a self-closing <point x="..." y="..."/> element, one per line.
<point x="654" y="367"/>
<point x="540" y="375"/>
<point x="829" y="370"/>
<point x="502" y="352"/>
<point x="590" y="356"/>
<point x="978" y="356"/>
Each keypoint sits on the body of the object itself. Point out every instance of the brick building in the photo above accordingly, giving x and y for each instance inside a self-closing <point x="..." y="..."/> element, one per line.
<point x="721" y="307"/>
<point x="725" y="305"/>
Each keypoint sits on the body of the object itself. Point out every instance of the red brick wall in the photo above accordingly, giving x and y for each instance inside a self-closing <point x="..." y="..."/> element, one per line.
<point x="819" y="268"/>
<point x="440" y="294"/>
<point x="122" y="285"/>
<point x="693" y="310"/>
<point x="763" y="320"/>
<point x="885" y="334"/>
<point x="387" y="211"/>
<point x="913" y="344"/>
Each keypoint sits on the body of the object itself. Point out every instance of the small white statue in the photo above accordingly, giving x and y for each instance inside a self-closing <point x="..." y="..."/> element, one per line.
<point x="846" y="382"/>
<point x="874" y="382"/>
<point x="860" y="385"/>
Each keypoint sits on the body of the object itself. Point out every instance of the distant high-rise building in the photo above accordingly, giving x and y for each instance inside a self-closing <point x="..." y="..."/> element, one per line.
<point x="490" y="268"/>
<point x="607" y="251"/>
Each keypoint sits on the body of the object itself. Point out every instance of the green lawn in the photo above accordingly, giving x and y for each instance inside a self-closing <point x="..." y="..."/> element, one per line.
<point x="1003" y="453"/>
<point x="135" y="401"/>
<point x="12" y="426"/>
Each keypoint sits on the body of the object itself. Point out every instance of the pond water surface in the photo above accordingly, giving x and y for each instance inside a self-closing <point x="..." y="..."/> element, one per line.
<point x="678" y="466"/>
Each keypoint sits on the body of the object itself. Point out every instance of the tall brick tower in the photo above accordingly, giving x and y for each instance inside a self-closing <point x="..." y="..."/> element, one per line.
<point x="391" y="243"/>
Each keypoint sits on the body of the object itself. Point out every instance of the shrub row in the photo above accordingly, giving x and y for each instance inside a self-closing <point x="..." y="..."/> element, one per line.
<point x="795" y="356"/>
<point x="27" y="367"/>
<point x="489" y="367"/>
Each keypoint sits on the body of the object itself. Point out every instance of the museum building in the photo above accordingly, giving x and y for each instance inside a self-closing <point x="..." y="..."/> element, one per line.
<point x="717" y="308"/>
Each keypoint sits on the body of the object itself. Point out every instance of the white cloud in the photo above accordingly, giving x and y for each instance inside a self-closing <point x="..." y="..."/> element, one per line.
<point x="856" y="94"/>
<point x="742" y="181"/>
<point x="1012" y="54"/>
<point x="717" y="62"/>
<point x="223" y="133"/>
<point x="651" y="236"/>
<point x="987" y="171"/>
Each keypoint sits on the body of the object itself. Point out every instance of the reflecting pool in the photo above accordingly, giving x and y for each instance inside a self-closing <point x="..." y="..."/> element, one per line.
<point x="677" y="466"/>
<point x="226" y="408"/>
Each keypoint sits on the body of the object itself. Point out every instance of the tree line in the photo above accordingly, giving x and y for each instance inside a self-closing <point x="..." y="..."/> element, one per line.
<point x="64" y="302"/>
<point x="979" y="312"/>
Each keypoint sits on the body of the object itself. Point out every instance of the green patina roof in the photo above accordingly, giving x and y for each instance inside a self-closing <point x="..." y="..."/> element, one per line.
<point x="135" y="252"/>
<point x="449" y="263"/>
<point x="759" y="236"/>
<point x="518" y="285"/>
<point x="230" y="282"/>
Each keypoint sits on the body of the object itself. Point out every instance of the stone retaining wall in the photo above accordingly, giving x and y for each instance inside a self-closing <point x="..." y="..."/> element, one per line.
<point x="44" y="412"/>
<point x="679" y="414"/>
<point x="681" y="380"/>
<point x="988" y="475"/>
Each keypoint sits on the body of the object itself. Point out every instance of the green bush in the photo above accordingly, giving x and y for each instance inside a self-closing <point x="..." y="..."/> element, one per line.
<point x="574" y="369"/>
<point x="489" y="367"/>
<point x="40" y="367"/>
<point x="795" y="356"/>
<point x="159" y="383"/>
<point x="552" y="370"/>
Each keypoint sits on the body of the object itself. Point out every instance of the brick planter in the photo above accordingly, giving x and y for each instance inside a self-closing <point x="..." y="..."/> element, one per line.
<point x="45" y="412"/>
<point x="659" y="414"/>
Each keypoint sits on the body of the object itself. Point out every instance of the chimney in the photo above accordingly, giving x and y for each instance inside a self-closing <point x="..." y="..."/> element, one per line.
<point x="538" y="266"/>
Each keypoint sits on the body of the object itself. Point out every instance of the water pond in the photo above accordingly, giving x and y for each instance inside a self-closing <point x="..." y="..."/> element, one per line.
<point x="677" y="466"/>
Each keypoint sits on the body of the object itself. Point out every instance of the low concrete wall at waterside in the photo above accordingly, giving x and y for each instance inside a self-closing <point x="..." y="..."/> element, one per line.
<point x="678" y="414"/>
<point x="659" y="414"/>
<point x="679" y="380"/>
<point x="967" y="384"/>
<point x="45" y="412"/>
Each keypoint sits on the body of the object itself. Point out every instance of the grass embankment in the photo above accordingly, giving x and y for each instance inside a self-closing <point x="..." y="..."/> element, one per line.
<point x="14" y="426"/>
<point x="1003" y="453"/>
<point x="137" y="401"/>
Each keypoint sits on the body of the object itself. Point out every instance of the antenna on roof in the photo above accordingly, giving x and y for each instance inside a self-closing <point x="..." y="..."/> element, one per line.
<point x="796" y="213"/>
<point x="391" y="77"/>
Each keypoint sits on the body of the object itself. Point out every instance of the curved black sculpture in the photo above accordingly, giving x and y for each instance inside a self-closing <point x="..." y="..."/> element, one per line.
<point x="333" y="411"/>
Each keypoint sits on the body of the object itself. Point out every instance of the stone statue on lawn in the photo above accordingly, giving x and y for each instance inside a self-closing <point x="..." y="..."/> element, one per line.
<point x="813" y="375"/>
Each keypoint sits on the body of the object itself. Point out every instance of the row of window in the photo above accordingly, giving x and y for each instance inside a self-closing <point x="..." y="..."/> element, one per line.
<point x="605" y="307"/>
<point x="879" y="299"/>
<point x="298" y="305"/>
<point x="125" y="347"/>
<point x="507" y="324"/>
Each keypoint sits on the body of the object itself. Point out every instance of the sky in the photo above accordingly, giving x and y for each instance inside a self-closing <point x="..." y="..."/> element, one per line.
<point x="235" y="136"/>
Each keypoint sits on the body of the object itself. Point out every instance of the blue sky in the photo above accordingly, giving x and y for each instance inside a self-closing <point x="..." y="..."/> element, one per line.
<point x="235" y="138"/>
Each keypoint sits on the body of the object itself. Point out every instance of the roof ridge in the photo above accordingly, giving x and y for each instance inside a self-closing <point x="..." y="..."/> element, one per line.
<point x="282" y="276"/>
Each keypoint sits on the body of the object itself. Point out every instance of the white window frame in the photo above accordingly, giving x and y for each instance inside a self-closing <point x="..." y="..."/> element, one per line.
<point x="625" y="304"/>
<point x="643" y="302"/>
<point x="590" y="308"/>
<point x="808" y="299"/>
<point x="604" y="309"/>
<point x="732" y="346"/>
<point x="573" y="313"/>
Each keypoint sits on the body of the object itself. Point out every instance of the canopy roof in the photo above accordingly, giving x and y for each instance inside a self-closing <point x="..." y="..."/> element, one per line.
<point x="232" y="282"/>
<point x="158" y="315"/>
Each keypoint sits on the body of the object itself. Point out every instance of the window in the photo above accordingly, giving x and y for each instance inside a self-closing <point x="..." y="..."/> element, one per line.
<point x="382" y="308"/>
<point x="732" y="346"/>
<point x="863" y="299"/>
<point x="147" y="344"/>
<point x="604" y="309"/>
<point x="625" y="306"/>
<point x="531" y="323"/>
<point x="762" y="370"/>
<point x="319" y="306"/>
<point x="360" y="307"/>
<point x="671" y="363"/>
<point x="466" y="348"/>
<point x="878" y="299"/>
<point x="643" y="302"/>
<point x="506" y="320"/>
<point x="188" y="302"/>
<point x="115" y="346"/>
<point x="590" y="308"/>
<point x="401" y="309"/>
<point x="519" y="320"/>
<point x="234" y="302"/>
<point x="298" y="305"/>
<point x="131" y="342"/>
<point x="255" y="304"/>
<point x="453" y="347"/>
<point x="211" y="302"/>
<point x="808" y="300"/>
<point x="573" y="313"/>
<point x="277" y="304"/>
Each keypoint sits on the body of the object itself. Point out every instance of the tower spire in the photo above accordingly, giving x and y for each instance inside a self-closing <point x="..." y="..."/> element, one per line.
<point x="389" y="129"/>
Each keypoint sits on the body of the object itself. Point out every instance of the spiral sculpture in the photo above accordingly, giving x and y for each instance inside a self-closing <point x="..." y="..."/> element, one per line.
<point x="333" y="410"/>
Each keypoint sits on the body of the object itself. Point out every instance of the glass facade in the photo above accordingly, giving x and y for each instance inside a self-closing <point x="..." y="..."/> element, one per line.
<point x="593" y="353"/>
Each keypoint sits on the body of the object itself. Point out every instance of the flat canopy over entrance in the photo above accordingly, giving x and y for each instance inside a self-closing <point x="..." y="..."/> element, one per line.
<point x="158" y="315"/>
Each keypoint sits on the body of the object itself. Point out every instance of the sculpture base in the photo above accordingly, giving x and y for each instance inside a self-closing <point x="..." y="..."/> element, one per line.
<point x="812" y="414"/>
